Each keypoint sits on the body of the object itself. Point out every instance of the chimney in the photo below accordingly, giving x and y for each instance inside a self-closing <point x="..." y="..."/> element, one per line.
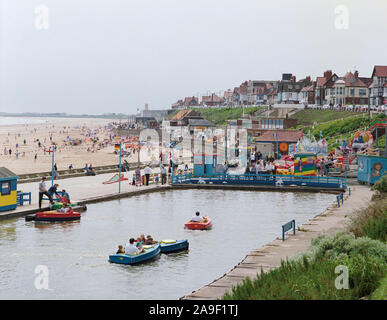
<point x="356" y="74"/>
<point x="293" y="79"/>
<point x="307" y="79"/>
<point x="328" y="74"/>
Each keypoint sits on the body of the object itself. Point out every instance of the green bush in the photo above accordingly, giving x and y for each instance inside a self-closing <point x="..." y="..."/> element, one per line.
<point x="342" y="246"/>
<point x="372" y="221"/>
<point x="310" y="280"/>
<point x="381" y="185"/>
<point x="312" y="275"/>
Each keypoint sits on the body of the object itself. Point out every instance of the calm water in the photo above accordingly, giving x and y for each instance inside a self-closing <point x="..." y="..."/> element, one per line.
<point x="76" y="253"/>
<point x="6" y="121"/>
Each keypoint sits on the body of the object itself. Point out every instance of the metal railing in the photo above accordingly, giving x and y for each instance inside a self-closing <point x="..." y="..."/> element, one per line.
<point x="262" y="179"/>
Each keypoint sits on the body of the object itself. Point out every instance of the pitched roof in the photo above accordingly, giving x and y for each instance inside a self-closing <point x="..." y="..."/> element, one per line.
<point x="380" y="71"/>
<point x="283" y="136"/>
<point x="352" y="81"/>
<point x="184" y="113"/>
<point x="6" y="173"/>
<point x="321" y="81"/>
<point x="187" y="100"/>
<point x="211" y="98"/>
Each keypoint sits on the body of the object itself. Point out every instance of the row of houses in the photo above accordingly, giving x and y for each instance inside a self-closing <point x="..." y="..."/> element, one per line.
<point x="329" y="89"/>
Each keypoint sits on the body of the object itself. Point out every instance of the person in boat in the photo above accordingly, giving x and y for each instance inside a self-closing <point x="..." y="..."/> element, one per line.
<point x="198" y="218"/>
<point x="149" y="240"/>
<point x="139" y="244"/>
<point x="130" y="248"/>
<point x="143" y="239"/>
<point x="120" y="250"/>
<point x="64" y="208"/>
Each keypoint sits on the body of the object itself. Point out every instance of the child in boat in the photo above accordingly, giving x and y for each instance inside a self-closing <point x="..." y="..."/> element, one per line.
<point x="149" y="240"/>
<point x="139" y="244"/>
<point x="120" y="250"/>
<point x="143" y="239"/>
<point x="198" y="218"/>
<point x="64" y="208"/>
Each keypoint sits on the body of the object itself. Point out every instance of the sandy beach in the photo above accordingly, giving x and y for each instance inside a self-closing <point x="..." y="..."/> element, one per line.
<point x="23" y="140"/>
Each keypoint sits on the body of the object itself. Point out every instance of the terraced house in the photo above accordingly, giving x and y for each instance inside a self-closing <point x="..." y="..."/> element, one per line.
<point x="378" y="88"/>
<point x="323" y="85"/>
<point x="289" y="88"/>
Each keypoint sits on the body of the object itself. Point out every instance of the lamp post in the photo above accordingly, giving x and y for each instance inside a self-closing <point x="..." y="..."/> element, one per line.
<point x="52" y="165"/>
<point x="119" y="170"/>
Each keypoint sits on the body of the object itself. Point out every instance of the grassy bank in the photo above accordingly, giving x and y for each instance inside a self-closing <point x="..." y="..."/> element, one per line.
<point x="337" y="130"/>
<point x="362" y="249"/>
<point x="308" y="117"/>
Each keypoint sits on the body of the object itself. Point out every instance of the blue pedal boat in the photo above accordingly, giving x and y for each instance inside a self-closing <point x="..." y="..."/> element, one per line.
<point x="150" y="253"/>
<point x="169" y="246"/>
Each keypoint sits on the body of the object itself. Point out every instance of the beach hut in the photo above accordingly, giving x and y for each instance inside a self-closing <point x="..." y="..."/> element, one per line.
<point x="8" y="189"/>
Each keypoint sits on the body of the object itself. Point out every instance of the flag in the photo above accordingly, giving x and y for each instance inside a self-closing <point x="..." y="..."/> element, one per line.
<point x="117" y="146"/>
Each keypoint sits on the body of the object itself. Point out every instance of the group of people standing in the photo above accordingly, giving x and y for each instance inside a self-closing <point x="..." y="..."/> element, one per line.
<point x="53" y="190"/>
<point x="137" y="178"/>
<point x="261" y="167"/>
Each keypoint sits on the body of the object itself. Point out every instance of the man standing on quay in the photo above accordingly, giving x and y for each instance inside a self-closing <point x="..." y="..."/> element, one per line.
<point x="43" y="191"/>
<point x="163" y="174"/>
<point x="148" y="172"/>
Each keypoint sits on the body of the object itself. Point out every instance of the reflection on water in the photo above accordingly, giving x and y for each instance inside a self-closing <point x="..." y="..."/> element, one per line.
<point x="76" y="253"/>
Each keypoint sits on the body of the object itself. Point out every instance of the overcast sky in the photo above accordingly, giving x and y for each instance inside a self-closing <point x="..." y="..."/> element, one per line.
<point x="99" y="56"/>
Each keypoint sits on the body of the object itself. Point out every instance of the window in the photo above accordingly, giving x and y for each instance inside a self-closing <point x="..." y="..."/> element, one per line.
<point x="362" y="92"/>
<point x="5" y="188"/>
<point x="352" y="92"/>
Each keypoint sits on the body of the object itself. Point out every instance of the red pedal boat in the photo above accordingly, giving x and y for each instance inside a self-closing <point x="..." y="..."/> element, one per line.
<point x="54" y="216"/>
<point x="207" y="224"/>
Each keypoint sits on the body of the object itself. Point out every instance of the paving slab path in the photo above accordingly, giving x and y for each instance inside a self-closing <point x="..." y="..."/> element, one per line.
<point x="269" y="256"/>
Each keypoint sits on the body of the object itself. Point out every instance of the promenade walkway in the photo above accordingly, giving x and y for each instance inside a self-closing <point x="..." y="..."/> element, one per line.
<point x="85" y="189"/>
<point x="269" y="256"/>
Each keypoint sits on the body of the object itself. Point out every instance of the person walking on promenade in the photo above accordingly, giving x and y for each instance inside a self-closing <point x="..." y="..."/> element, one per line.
<point x="56" y="175"/>
<point x="148" y="172"/>
<point x="163" y="174"/>
<point x="138" y="176"/>
<point x="43" y="191"/>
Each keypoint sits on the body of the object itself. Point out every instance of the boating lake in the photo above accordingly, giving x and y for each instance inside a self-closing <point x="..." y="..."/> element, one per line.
<point x="76" y="253"/>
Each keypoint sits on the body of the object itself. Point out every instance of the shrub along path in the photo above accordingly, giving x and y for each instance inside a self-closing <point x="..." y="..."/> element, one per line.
<point x="269" y="256"/>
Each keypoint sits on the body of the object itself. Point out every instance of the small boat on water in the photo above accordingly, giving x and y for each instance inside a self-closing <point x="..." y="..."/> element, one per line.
<point x="150" y="252"/>
<point x="170" y="246"/>
<point x="205" y="225"/>
<point x="54" y="216"/>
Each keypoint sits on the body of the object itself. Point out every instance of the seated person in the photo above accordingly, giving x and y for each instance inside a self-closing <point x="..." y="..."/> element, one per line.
<point x="139" y="244"/>
<point x="130" y="248"/>
<point x="64" y="209"/>
<point x="149" y="240"/>
<point x="198" y="218"/>
<point x="66" y="196"/>
<point x="120" y="250"/>
<point x="143" y="239"/>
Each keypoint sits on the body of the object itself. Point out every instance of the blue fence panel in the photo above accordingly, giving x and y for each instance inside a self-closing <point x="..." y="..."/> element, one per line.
<point x="263" y="179"/>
